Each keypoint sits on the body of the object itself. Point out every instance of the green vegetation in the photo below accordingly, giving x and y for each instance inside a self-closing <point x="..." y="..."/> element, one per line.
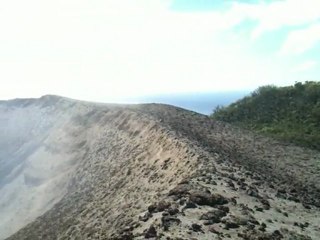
<point x="287" y="113"/>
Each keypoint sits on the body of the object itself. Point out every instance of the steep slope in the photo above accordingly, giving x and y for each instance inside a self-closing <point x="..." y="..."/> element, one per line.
<point x="37" y="154"/>
<point x="87" y="152"/>
<point x="99" y="171"/>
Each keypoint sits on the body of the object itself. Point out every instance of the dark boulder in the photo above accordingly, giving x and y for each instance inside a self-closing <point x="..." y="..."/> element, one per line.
<point x="204" y="198"/>
<point x="151" y="232"/>
<point x="167" y="221"/>
<point x="180" y="190"/>
<point x="145" y="217"/>
<point x="213" y="216"/>
<point x="159" y="207"/>
<point x="196" y="227"/>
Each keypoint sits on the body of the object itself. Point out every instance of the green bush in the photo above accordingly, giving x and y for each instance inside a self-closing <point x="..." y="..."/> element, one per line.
<point x="288" y="113"/>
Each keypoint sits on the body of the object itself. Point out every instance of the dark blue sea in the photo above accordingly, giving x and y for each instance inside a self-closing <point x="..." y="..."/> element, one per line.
<point x="203" y="103"/>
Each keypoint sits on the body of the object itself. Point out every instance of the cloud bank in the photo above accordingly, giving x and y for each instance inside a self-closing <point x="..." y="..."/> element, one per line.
<point x="102" y="50"/>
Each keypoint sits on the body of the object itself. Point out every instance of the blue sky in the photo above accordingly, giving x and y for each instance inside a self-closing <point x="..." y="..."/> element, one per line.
<point x="207" y="5"/>
<point x="200" y="5"/>
<point x="108" y="50"/>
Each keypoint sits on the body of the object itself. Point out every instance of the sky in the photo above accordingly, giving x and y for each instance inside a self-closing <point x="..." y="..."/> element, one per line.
<point x="105" y="50"/>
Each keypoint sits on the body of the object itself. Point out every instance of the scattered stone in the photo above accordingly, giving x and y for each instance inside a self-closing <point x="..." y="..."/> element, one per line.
<point x="233" y="200"/>
<point x="190" y="204"/>
<point x="145" y="217"/>
<point x="125" y="233"/>
<point x="213" y="216"/>
<point x="223" y="208"/>
<point x="277" y="233"/>
<point x="196" y="227"/>
<point x="182" y="201"/>
<point x="293" y="198"/>
<point x="229" y="225"/>
<point x="253" y="192"/>
<point x="160" y="207"/>
<point x="258" y="235"/>
<point x="180" y="190"/>
<point x="231" y="184"/>
<point x="213" y="229"/>
<point x="281" y="193"/>
<point x="135" y="224"/>
<point x="306" y="206"/>
<point x="125" y="236"/>
<point x="259" y="209"/>
<point x="251" y="226"/>
<point x="262" y="227"/>
<point x="265" y="203"/>
<point x="184" y="182"/>
<point x="203" y="198"/>
<point x="232" y="221"/>
<point x="245" y="209"/>
<point x="301" y="225"/>
<point x="173" y="210"/>
<point x="151" y="232"/>
<point x="293" y="235"/>
<point x="152" y="208"/>
<point x="207" y="222"/>
<point x="165" y="214"/>
<point x="168" y="220"/>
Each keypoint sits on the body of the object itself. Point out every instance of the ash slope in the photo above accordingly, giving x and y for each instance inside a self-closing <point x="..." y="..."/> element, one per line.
<point x="149" y="171"/>
<point x="39" y="150"/>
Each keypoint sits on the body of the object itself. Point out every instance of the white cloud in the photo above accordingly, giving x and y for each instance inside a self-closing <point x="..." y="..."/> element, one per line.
<point x="285" y="13"/>
<point x="100" y="49"/>
<point x="299" y="41"/>
<point x="305" y="66"/>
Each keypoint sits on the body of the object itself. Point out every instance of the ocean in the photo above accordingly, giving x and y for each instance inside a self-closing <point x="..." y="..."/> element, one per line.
<point x="203" y="103"/>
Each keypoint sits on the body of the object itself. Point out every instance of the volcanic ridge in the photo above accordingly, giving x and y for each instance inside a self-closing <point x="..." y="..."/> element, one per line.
<point x="78" y="170"/>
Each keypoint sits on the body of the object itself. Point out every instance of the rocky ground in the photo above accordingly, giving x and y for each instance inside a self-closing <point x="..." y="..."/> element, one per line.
<point x="160" y="172"/>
